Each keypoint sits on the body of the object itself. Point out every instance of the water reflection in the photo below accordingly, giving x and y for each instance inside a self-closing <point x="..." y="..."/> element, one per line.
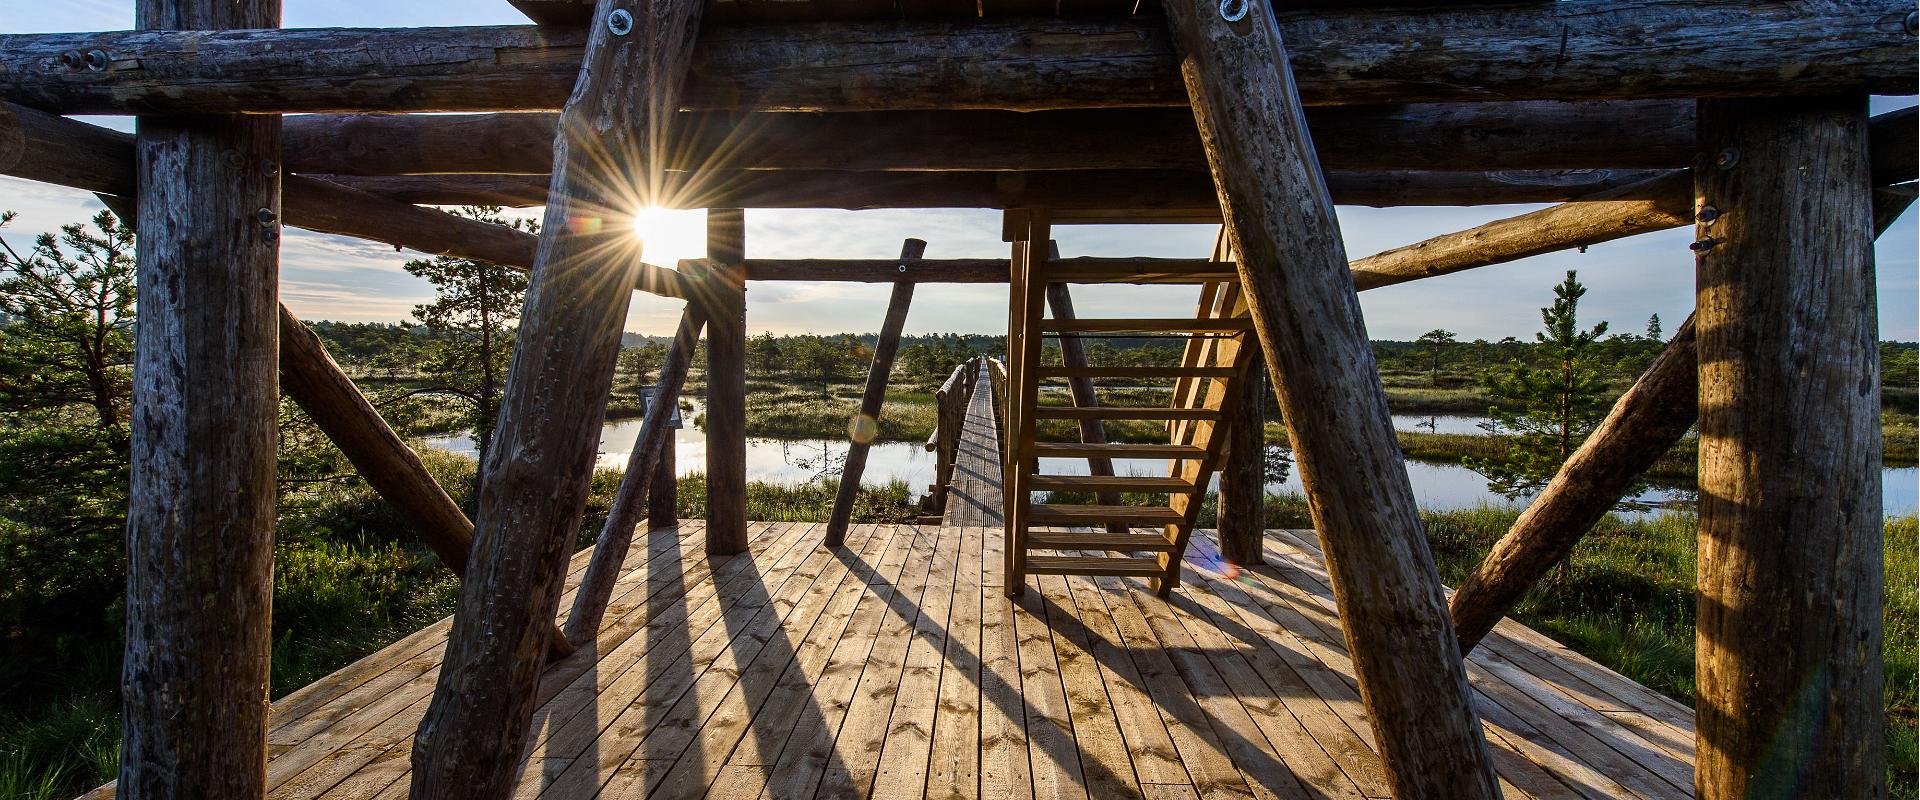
<point x="1435" y="486"/>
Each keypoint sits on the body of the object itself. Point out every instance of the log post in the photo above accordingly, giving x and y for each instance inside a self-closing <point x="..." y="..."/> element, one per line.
<point x="663" y="492"/>
<point x="200" y="516"/>
<point x="725" y="298"/>
<point x="1073" y="353"/>
<point x="1243" y="486"/>
<point x="1293" y="268"/>
<point x="537" y="472"/>
<point x="1788" y="648"/>
<point x="643" y="463"/>
<point x="866" y="423"/>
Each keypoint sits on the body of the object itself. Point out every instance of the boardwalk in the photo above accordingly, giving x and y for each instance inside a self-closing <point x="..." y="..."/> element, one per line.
<point x="895" y="667"/>
<point x="975" y="498"/>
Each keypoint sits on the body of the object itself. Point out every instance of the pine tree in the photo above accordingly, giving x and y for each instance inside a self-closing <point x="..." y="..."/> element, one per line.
<point x="1549" y="409"/>
<point x="68" y="337"/>
<point x="1653" y="329"/>
<point x="471" y="325"/>
<point x="1437" y="342"/>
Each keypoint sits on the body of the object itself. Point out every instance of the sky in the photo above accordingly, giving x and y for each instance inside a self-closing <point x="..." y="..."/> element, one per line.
<point x="339" y="278"/>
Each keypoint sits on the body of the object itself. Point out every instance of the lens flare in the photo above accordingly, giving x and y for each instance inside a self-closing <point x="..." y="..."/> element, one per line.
<point x="862" y="429"/>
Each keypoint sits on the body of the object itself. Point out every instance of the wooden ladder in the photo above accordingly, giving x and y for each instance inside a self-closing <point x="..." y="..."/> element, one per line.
<point x="1065" y="538"/>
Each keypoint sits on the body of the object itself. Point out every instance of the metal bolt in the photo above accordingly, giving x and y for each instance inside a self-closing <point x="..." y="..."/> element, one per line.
<point x="73" y="59"/>
<point x="269" y="167"/>
<point x="1704" y="245"/>
<point x="1706" y="214"/>
<point x="903" y="269"/>
<point x="620" y="22"/>
<point x="97" y="60"/>
<point x="1234" y="10"/>
<point x="1727" y="158"/>
<point x="266" y="216"/>
<point x="1911" y="23"/>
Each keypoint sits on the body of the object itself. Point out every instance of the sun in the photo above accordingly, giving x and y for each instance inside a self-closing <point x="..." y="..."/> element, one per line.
<point x="667" y="235"/>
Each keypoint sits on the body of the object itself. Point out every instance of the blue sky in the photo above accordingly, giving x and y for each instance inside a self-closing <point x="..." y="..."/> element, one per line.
<point x="330" y="277"/>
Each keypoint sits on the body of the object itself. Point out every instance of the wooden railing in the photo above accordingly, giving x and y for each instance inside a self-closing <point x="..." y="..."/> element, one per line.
<point x="951" y="400"/>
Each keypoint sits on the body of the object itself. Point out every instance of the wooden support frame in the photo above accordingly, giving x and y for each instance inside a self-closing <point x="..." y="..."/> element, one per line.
<point x="663" y="492"/>
<point x="1073" y="354"/>
<point x="200" y="516"/>
<point x="644" y="466"/>
<point x="871" y="400"/>
<point x="470" y="737"/>
<point x="1284" y="236"/>
<point x="1243" y="484"/>
<point x="725" y="297"/>
<point x="1788" y="651"/>
<point x="1470" y="136"/>
<point x="1026" y="307"/>
<point x="1346" y="56"/>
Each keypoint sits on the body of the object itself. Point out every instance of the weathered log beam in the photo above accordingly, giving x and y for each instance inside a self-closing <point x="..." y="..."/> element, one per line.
<point x="71" y="153"/>
<point x="1178" y="191"/>
<point x="1657" y="204"/>
<point x="871" y="400"/>
<point x="538" y="470"/>
<point x="724" y="298"/>
<point x="1587" y="49"/>
<point x="1293" y="268"/>
<point x="629" y="501"/>
<point x="1791" y="571"/>
<point x="206" y="399"/>
<point x="1617" y="134"/>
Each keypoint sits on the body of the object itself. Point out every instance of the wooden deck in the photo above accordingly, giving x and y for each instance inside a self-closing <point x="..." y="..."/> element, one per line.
<point x="974" y="497"/>
<point x="896" y="668"/>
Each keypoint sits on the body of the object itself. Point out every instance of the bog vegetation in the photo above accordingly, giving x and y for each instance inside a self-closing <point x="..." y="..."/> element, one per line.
<point x="350" y="578"/>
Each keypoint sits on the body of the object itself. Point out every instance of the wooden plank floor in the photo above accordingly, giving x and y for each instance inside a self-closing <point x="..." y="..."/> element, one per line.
<point x="897" y="668"/>
<point x="974" y="497"/>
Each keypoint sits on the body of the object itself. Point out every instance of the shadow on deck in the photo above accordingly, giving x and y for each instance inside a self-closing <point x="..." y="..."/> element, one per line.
<point x="895" y="667"/>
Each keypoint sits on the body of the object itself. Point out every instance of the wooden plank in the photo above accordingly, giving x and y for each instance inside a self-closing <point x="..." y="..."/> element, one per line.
<point x="742" y="691"/>
<point x="1104" y="758"/>
<point x="1073" y="353"/>
<point x="1051" y="514"/>
<point x="905" y="758"/>
<point x="1079" y="450"/>
<point x="1057" y="769"/>
<point x="1136" y="270"/>
<point x="1150" y="750"/>
<point x="204" y="409"/>
<point x="1005" y="770"/>
<point x="863" y="731"/>
<point x="1092" y="565"/>
<point x="1147" y="325"/>
<point x="976" y="499"/>
<point x="1123" y="412"/>
<point x="1134" y="372"/>
<point x="1116" y="483"/>
<point x="1098" y="540"/>
<point x="954" y="769"/>
<point x="1549" y="51"/>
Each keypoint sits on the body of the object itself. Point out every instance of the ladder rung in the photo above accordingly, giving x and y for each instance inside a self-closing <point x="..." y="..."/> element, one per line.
<point x="1138" y="270"/>
<point x="1123" y="412"/>
<point x="1116" y="450"/>
<point x="1092" y="565"/>
<point x="1098" y="540"/>
<point x="1148" y="325"/>
<point x="1109" y="483"/>
<point x="1136" y="372"/>
<point x="1075" y="515"/>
